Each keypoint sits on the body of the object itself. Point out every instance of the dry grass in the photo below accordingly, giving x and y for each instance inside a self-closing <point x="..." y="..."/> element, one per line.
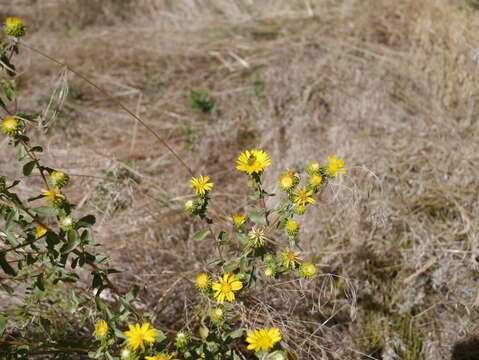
<point x="391" y="86"/>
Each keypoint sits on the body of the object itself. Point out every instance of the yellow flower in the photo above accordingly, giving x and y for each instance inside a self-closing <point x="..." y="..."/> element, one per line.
<point x="336" y="166"/>
<point x="238" y="220"/>
<point x="14" y="27"/>
<point x="270" y="272"/>
<point x="263" y="339"/>
<point x="53" y="194"/>
<point x="307" y="270"/>
<point x="40" y="231"/>
<point x="201" y="185"/>
<point x="290" y="259"/>
<point x="202" y="356"/>
<point x="202" y="281"/>
<point x="101" y="329"/>
<point x="303" y="196"/>
<point x="288" y="180"/>
<point x="256" y="237"/>
<point x="253" y="162"/>
<point x="315" y="180"/>
<point x="138" y="335"/>
<point x="160" y="357"/>
<point x="10" y="125"/>
<point x="228" y="284"/>
<point x="292" y="227"/>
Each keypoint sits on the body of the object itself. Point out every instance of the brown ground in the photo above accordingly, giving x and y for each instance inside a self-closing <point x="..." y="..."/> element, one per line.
<point x="391" y="86"/>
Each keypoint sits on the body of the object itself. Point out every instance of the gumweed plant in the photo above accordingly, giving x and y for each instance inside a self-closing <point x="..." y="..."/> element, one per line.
<point x="45" y="242"/>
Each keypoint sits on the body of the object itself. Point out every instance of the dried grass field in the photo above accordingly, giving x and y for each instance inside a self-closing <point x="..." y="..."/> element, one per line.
<point x="390" y="86"/>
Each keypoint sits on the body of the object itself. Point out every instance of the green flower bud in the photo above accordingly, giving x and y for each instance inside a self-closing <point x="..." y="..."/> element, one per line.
<point x="67" y="223"/>
<point x="59" y="179"/>
<point x="313" y="167"/>
<point x="270" y="272"/>
<point x="182" y="339"/>
<point x="217" y="314"/>
<point x="191" y="206"/>
<point x="11" y="126"/>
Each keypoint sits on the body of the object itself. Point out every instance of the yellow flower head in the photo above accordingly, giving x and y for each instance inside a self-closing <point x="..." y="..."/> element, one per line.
<point x="307" y="270"/>
<point x="226" y="287"/>
<point x="263" y="339"/>
<point x="40" y="231"/>
<point x="288" y="180"/>
<point x="10" y="126"/>
<point x="303" y="196"/>
<point x="53" y="194"/>
<point x="238" y="220"/>
<point x="201" y="185"/>
<point x="256" y="237"/>
<point x="14" y="27"/>
<point x="101" y="329"/>
<point x="292" y="227"/>
<point x="138" y="335"/>
<point x="202" y="281"/>
<point x="253" y="162"/>
<point x="290" y="259"/>
<point x="315" y="180"/>
<point x="162" y="356"/>
<point x="270" y="272"/>
<point x="336" y="166"/>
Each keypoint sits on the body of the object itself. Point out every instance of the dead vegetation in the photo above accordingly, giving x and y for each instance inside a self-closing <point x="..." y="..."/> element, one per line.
<point x="391" y="86"/>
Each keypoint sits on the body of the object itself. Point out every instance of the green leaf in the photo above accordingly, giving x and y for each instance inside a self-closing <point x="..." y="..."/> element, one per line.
<point x="28" y="167"/>
<point x="242" y="238"/>
<point x="86" y="221"/>
<point x="6" y="266"/>
<point x="160" y="336"/>
<point x="204" y="331"/>
<point x="3" y="324"/>
<point x="45" y="210"/>
<point x="8" y="90"/>
<point x="36" y="149"/>
<point x="8" y="289"/>
<point x="72" y="242"/>
<point x="258" y="217"/>
<point x="230" y="266"/>
<point x="223" y="238"/>
<point x="39" y="283"/>
<point x="236" y="333"/>
<point x="200" y="235"/>
<point x="215" y="261"/>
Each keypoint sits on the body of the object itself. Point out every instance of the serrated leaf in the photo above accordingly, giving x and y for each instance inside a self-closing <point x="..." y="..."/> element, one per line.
<point x="200" y="235"/>
<point x="6" y="266"/>
<point x="45" y="210"/>
<point x="258" y="217"/>
<point x="28" y="167"/>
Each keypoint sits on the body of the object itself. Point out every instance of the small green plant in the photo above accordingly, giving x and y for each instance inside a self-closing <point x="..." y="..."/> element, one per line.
<point x="201" y="100"/>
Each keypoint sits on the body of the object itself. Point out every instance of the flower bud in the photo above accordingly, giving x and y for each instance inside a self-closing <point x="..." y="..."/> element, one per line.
<point x="270" y="272"/>
<point x="14" y="27"/>
<point x="191" y="206"/>
<point x="307" y="270"/>
<point x="292" y="228"/>
<point x="288" y="181"/>
<point x="313" y="167"/>
<point x="67" y="223"/>
<point x="182" y="339"/>
<point x="59" y="179"/>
